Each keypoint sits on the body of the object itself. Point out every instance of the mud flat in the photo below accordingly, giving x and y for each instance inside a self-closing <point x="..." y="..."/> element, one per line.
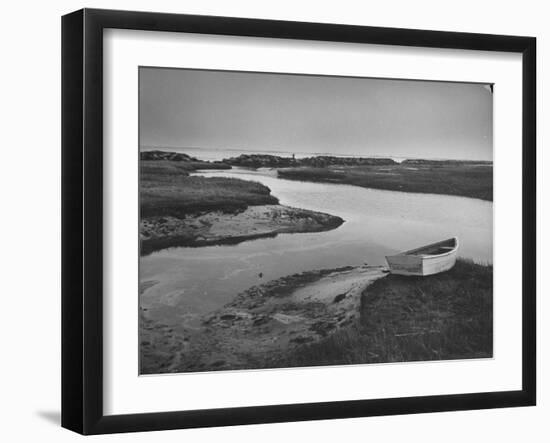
<point x="263" y="323"/>
<point x="216" y="227"/>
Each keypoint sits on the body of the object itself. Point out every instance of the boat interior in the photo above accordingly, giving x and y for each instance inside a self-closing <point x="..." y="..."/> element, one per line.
<point x="435" y="248"/>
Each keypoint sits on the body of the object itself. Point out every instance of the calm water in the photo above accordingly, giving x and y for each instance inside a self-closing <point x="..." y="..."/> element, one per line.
<point x="193" y="281"/>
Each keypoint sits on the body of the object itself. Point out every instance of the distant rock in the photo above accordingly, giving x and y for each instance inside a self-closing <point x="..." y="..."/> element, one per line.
<point x="193" y="162"/>
<point x="261" y="161"/>
<point x="164" y="155"/>
<point x="321" y="161"/>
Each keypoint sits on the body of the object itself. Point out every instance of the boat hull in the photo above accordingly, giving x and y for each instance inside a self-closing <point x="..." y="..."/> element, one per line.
<point x="407" y="263"/>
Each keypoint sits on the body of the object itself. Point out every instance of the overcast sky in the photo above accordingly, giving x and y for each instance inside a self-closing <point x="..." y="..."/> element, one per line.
<point x="314" y="114"/>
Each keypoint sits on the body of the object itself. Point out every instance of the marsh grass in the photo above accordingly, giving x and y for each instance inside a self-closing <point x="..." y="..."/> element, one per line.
<point x="439" y="317"/>
<point x="167" y="189"/>
<point x="465" y="179"/>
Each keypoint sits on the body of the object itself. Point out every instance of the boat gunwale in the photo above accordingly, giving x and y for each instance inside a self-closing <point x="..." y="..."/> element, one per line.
<point x="428" y="256"/>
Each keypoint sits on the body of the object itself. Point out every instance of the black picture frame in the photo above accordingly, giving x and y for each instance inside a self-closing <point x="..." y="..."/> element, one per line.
<point x="82" y="215"/>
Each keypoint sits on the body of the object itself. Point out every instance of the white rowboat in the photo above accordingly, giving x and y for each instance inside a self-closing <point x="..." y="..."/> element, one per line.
<point x="426" y="260"/>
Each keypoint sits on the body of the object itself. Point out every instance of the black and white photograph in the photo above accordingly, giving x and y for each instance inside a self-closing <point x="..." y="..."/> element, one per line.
<point x="291" y="220"/>
<point x="275" y="221"/>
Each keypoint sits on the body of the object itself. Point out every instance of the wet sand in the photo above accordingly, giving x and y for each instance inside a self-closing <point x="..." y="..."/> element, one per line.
<point x="261" y="324"/>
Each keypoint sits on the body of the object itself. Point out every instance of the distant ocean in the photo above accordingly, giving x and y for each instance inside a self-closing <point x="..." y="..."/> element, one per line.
<point x="220" y="154"/>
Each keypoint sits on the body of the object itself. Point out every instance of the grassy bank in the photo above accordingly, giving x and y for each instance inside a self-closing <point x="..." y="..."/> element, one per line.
<point x="179" y="209"/>
<point x="439" y="317"/>
<point x="167" y="189"/>
<point x="467" y="179"/>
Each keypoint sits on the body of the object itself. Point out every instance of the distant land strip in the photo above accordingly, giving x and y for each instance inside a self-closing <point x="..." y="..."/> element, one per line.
<point x="465" y="178"/>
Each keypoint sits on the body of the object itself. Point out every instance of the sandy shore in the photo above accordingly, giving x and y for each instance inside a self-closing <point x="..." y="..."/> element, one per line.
<point x="262" y="323"/>
<point x="216" y="227"/>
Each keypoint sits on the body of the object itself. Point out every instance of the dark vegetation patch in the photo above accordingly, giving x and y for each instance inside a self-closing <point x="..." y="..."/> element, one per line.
<point x="467" y="179"/>
<point x="167" y="189"/>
